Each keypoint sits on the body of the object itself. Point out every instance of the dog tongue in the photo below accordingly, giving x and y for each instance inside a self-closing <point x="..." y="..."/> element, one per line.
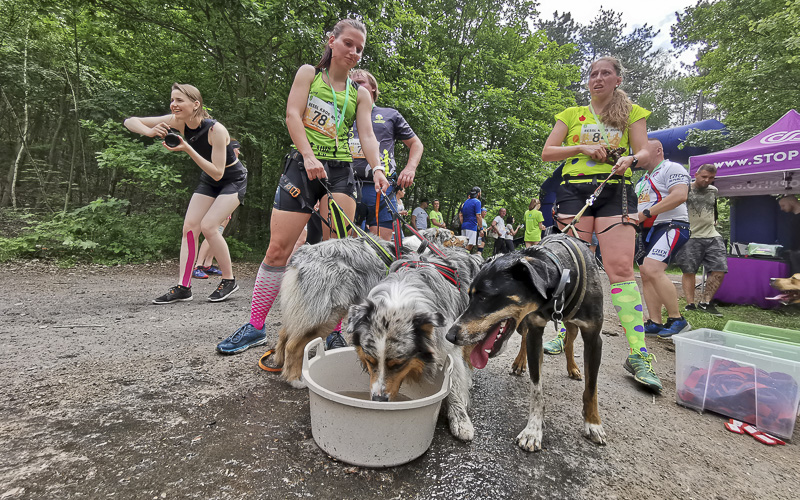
<point x="480" y="353"/>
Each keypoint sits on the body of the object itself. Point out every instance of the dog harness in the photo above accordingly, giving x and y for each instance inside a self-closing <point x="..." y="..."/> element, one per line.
<point x="558" y="302"/>
<point x="449" y="273"/>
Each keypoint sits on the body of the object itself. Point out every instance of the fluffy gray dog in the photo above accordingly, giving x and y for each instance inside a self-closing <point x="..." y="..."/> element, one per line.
<point x="399" y="330"/>
<point x="320" y="283"/>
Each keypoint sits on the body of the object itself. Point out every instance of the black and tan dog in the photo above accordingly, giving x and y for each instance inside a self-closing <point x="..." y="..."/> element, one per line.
<point x="521" y="290"/>
<point x="789" y="286"/>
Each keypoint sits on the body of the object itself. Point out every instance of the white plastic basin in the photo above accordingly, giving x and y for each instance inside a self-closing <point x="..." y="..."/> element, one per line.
<point x="363" y="432"/>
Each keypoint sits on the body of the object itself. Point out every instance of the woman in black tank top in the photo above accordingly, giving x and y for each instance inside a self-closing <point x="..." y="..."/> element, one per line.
<point x="222" y="183"/>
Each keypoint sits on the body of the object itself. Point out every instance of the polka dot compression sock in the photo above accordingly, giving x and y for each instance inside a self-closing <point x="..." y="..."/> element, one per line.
<point x="628" y="303"/>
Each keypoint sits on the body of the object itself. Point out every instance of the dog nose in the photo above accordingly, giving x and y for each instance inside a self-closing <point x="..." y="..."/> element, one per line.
<point x="452" y="334"/>
<point x="380" y="397"/>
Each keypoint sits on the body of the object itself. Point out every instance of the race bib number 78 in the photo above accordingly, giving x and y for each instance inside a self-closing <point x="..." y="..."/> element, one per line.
<point x="319" y="117"/>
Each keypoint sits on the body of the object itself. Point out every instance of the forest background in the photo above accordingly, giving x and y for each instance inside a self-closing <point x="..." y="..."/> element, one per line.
<point x="478" y="81"/>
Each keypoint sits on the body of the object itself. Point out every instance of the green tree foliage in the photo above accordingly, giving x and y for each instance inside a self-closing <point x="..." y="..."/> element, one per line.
<point x="475" y="81"/>
<point x="748" y="62"/>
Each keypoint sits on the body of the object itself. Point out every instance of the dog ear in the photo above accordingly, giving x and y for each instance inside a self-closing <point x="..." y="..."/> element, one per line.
<point x="424" y="324"/>
<point x="535" y="276"/>
<point x="436" y="319"/>
<point x="358" y="318"/>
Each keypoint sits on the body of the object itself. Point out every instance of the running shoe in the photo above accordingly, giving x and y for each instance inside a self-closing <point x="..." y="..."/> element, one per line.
<point x="709" y="308"/>
<point x="652" y="328"/>
<point x="674" y="326"/>
<point x="335" y="340"/>
<point x="244" y="338"/>
<point x="640" y="365"/>
<point x="199" y="273"/>
<point x="224" y="290"/>
<point x="213" y="270"/>
<point x="691" y="307"/>
<point x="556" y="346"/>
<point x="177" y="293"/>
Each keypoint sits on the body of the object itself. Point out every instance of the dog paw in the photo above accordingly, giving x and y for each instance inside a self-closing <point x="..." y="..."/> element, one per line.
<point x="575" y="374"/>
<point x="594" y="433"/>
<point x="461" y="427"/>
<point x="530" y="440"/>
<point x="297" y="383"/>
<point x="517" y="369"/>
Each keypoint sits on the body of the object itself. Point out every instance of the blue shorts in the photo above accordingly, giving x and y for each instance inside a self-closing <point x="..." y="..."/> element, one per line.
<point x="664" y="240"/>
<point x="366" y="206"/>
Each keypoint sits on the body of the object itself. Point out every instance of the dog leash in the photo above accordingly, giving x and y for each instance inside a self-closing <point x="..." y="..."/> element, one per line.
<point x="449" y="273"/>
<point x="589" y="203"/>
<point x="340" y="221"/>
<point x="396" y="218"/>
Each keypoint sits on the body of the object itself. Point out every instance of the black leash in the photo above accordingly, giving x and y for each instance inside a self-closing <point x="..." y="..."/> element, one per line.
<point x="339" y="220"/>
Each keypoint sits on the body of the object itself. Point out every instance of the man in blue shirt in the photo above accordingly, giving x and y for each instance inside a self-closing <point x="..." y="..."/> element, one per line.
<point x="471" y="218"/>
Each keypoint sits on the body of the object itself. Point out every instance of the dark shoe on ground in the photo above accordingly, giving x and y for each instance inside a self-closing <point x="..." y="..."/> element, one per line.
<point x="641" y="366"/>
<point x="213" y="270"/>
<point x="674" y="326"/>
<point x="224" y="290"/>
<point x="690" y="307"/>
<point x="245" y="337"/>
<point x="335" y="340"/>
<point x="199" y="273"/>
<point x="555" y="346"/>
<point x="710" y="309"/>
<point x="177" y="293"/>
<point x="652" y="328"/>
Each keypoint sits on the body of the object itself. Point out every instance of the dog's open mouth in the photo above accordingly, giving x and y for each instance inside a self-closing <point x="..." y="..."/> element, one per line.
<point x="790" y="297"/>
<point x="492" y="343"/>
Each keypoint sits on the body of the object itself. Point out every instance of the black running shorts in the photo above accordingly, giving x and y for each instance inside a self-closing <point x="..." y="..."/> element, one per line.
<point x="237" y="184"/>
<point x="571" y="197"/>
<point x="340" y="180"/>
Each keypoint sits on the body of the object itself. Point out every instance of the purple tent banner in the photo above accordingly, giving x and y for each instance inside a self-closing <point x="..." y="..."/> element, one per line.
<point x="769" y="163"/>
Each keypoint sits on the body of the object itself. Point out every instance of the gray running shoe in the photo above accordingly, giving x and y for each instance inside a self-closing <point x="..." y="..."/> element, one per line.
<point x="224" y="290"/>
<point x="177" y="293"/>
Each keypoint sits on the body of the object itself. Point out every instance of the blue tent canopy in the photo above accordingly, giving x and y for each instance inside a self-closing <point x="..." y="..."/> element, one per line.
<point x="672" y="137"/>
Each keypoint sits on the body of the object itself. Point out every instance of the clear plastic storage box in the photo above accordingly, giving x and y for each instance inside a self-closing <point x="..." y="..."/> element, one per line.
<point x="750" y="379"/>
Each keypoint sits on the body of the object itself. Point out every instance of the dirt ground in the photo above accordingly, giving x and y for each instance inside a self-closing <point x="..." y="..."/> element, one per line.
<point x="106" y="395"/>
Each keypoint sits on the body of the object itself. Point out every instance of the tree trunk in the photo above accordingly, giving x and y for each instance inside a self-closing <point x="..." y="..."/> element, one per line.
<point x="25" y="122"/>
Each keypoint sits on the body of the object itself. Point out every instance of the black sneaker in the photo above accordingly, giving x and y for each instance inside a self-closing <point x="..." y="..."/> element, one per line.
<point x="335" y="341"/>
<point x="177" y="293"/>
<point x="690" y="307"/>
<point x="224" y="290"/>
<point x="709" y="308"/>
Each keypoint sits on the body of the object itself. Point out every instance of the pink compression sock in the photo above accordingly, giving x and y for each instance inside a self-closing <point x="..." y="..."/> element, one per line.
<point x="187" y="271"/>
<point x="268" y="284"/>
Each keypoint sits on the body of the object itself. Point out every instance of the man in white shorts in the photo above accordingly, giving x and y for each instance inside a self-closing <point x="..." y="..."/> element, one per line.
<point x="664" y="225"/>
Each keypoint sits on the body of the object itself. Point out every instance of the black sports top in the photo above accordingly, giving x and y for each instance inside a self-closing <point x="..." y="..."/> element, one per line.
<point x="198" y="140"/>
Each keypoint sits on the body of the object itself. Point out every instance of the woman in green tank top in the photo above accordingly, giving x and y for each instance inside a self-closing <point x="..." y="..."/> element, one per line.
<point x="322" y="105"/>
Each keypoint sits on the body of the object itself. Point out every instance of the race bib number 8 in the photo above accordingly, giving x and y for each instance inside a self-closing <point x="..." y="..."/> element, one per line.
<point x="319" y="117"/>
<point x="590" y="134"/>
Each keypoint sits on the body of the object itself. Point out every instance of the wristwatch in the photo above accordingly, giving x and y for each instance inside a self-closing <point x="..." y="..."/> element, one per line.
<point x="646" y="213"/>
<point x="635" y="162"/>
